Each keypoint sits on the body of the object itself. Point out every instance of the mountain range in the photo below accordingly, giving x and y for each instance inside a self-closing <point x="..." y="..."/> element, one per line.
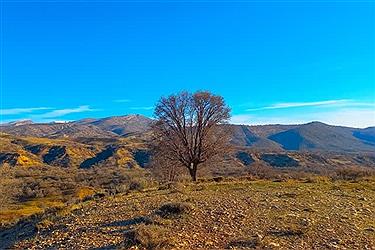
<point x="122" y="140"/>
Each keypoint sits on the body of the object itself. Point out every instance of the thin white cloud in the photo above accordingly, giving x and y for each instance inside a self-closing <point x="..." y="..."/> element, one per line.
<point x="63" y="112"/>
<point x="350" y="117"/>
<point x="242" y="119"/>
<point x="17" y="111"/>
<point x="284" y="105"/>
<point x="122" y="100"/>
<point x="142" y="108"/>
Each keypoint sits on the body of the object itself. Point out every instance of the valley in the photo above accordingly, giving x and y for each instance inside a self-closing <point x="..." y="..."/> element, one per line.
<point x="116" y="140"/>
<point x="92" y="183"/>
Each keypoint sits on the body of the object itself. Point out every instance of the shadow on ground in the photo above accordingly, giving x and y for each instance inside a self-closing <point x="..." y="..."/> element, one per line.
<point x="130" y="222"/>
<point x="24" y="229"/>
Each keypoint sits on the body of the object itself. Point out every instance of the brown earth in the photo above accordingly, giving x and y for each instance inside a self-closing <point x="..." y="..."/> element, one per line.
<point x="261" y="214"/>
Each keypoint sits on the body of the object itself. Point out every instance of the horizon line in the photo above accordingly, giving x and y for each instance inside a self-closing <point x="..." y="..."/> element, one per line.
<point x="11" y="122"/>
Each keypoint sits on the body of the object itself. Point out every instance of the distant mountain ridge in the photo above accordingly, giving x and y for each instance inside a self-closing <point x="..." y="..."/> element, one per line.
<point x="98" y="128"/>
<point x="123" y="141"/>
<point x="123" y="125"/>
<point x="314" y="136"/>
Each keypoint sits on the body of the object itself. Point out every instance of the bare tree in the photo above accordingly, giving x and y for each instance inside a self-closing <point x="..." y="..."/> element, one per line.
<point x="187" y="130"/>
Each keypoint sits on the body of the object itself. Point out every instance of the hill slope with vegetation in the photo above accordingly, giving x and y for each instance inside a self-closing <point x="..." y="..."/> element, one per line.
<point x="315" y="136"/>
<point x="226" y="215"/>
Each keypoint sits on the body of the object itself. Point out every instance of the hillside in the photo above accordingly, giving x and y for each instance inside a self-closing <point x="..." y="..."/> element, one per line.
<point x="116" y="141"/>
<point x="56" y="130"/>
<point x="133" y="152"/>
<point x="320" y="136"/>
<point x="89" y="184"/>
<point x="314" y="136"/>
<point x="99" y="128"/>
<point x="120" y="125"/>
<point x="247" y="136"/>
<point x="367" y="135"/>
<point x="228" y="215"/>
<point x="67" y="153"/>
<point x="15" y="155"/>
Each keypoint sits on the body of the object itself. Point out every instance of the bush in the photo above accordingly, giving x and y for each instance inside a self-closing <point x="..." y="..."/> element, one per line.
<point x="317" y="179"/>
<point x="85" y="193"/>
<point x="174" y="209"/>
<point x="136" y="185"/>
<point x="248" y="177"/>
<point x="147" y="236"/>
<point x="174" y="187"/>
<point x="44" y="224"/>
<point x="218" y="179"/>
<point x="353" y="173"/>
<point x="121" y="188"/>
<point x="263" y="171"/>
<point x="10" y="188"/>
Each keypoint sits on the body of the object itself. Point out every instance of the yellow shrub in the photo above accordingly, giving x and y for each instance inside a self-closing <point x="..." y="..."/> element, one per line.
<point x="26" y="161"/>
<point x="84" y="192"/>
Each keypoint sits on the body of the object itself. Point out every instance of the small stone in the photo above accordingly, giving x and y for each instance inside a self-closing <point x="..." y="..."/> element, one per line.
<point x="208" y="243"/>
<point x="369" y="229"/>
<point x="308" y="209"/>
<point x="305" y="222"/>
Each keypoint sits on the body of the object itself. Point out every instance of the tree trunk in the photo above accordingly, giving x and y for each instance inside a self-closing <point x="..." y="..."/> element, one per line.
<point x="193" y="172"/>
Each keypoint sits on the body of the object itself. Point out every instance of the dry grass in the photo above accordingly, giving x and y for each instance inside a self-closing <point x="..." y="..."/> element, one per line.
<point x="35" y="206"/>
<point x="148" y="237"/>
<point x="228" y="214"/>
<point x="85" y="192"/>
<point x="25" y="192"/>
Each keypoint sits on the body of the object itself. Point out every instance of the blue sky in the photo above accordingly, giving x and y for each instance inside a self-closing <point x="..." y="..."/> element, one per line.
<point x="273" y="61"/>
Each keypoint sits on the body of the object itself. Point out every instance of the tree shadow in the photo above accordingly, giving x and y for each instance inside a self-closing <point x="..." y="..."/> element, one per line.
<point x="27" y="229"/>
<point x="243" y="243"/>
<point x="129" y="222"/>
<point x="286" y="232"/>
<point x="124" y="227"/>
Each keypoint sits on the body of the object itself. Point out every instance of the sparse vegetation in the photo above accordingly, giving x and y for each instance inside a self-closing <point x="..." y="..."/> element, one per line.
<point x="147" y="236"/>
<point x="234" y="213"/>
<point x="353" y="173"/>
<point x="90" y="191"/>
<point x="84" y="193"/>
<point x="36" y="189"/>
<point x="174" y="209"/>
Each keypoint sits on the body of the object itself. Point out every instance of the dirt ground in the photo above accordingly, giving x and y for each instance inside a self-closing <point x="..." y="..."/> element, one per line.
<point x="219" y="215"/>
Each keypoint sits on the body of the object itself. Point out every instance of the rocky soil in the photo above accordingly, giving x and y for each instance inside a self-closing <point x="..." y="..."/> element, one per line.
<point x="219" y="215"/>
